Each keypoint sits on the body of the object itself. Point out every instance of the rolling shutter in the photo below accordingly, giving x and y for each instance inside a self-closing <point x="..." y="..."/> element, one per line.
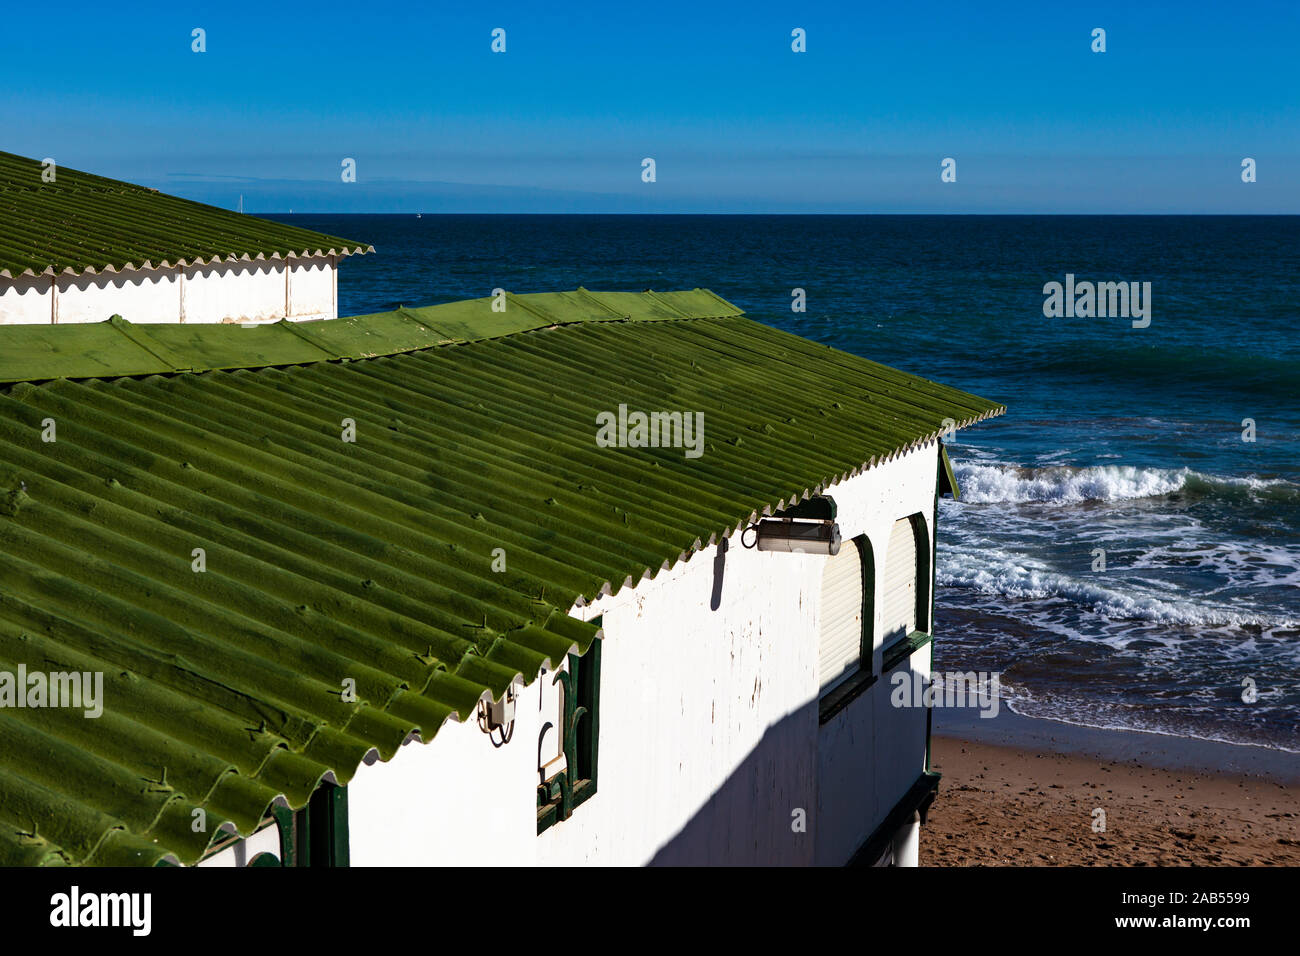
<point x="900" y="582"/>
<point x="841" y="615"/>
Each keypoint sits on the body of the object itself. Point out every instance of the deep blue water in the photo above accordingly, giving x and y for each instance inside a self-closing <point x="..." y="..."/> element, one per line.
<point x="1119" y="438"/>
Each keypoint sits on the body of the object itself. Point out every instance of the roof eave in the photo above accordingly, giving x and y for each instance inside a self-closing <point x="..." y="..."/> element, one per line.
<point x="115" y="269"/>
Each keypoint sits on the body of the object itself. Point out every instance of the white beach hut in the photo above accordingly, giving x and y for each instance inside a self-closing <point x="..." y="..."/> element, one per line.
<point x="80" y="248"/>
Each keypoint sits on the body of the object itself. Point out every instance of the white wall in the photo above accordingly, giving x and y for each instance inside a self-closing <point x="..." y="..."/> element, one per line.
<point x="257" y="291"/>
<point x="146" y="295"/>
<point x="454" y="800"/>
<point x="234" y="291"/>
<point x="26" y="300"/>
<point x="311" y="288"/>
<point x="709" y="733"/>
<point x="708" y="718"/>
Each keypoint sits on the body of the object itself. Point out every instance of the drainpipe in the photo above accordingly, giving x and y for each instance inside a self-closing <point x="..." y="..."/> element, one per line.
<point x="907" y="842"/>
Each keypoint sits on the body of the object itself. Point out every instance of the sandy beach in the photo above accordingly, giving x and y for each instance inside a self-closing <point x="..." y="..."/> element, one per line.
<point x="1002" y="804"/>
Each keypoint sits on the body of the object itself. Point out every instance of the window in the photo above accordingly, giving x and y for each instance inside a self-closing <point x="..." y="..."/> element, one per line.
<point x="906" y="611"/>
<point x="316" y="835"/>
<point x="842" y="607"/>
<point x="845" y="639"/>
<point x="569" y="740"/>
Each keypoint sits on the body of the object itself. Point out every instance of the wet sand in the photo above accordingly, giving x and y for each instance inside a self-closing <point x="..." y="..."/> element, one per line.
<point x="1032" y="802"/>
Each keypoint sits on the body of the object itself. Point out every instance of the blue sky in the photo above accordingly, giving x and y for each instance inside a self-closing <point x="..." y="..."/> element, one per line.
<point x="735" y="120"/>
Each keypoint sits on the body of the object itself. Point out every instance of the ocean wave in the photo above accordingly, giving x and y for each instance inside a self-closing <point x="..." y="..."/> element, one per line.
<point x="1235" y="563"/>
<point x="1003" y="576"/>
<point x="1063" y="484"/>
<point x="1092" y="714"/>
<point x="1272" y="490"/>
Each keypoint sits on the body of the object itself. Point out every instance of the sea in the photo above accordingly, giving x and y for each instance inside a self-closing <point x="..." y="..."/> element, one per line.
<point x="1126" y="550"/>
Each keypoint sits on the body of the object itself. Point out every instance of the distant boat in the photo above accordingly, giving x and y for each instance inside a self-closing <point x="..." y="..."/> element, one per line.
<point x="419" y="215"/>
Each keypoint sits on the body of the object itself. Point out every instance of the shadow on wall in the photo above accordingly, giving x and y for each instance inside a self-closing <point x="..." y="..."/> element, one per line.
<point x="117" y="281"/>
<point x="763" y="813"/>
<point x="719" y="569"/>
<point x="769" y="811"/>
<point x="240" y="269"/>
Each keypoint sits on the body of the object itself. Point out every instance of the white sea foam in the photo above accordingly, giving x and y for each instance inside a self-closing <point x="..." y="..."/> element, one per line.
<point x="1004" y="575"/>
<point x="984" y="484"/>
<point x="1239" y="564"/>
<point x="1062" y="484"/>
<point x="1085" y="713"/>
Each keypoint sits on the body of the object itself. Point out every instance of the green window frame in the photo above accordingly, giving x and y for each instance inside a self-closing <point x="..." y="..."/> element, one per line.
<point x="316" y="835"/>
<point x="558" y="797"/>
<point x="902" y="649"/>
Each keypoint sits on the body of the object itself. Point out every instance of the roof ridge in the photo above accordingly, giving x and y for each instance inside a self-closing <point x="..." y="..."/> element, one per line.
<point x="119" y="348"/>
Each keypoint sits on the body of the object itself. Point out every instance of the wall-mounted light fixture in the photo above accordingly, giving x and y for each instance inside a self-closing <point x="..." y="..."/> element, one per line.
<point x="798" y="537"/>
<point x="498" y="717"/>
<point x="806" y="528"/>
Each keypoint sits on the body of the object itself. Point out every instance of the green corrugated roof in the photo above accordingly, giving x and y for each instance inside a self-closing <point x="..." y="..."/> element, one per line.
<point x="86" y="223"/>
<point x="31" y="353"/>
<point x="370" y="560"/>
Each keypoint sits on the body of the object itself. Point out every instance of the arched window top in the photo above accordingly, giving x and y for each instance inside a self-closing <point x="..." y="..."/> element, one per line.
<point x="846" y="593"/>
<point x="906" y="608"/>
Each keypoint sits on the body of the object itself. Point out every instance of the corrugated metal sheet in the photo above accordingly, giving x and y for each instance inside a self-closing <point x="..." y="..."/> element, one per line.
<point x="84" y="223"/>
<point x="369" y="561"/>
<point x="29" y="353"/>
